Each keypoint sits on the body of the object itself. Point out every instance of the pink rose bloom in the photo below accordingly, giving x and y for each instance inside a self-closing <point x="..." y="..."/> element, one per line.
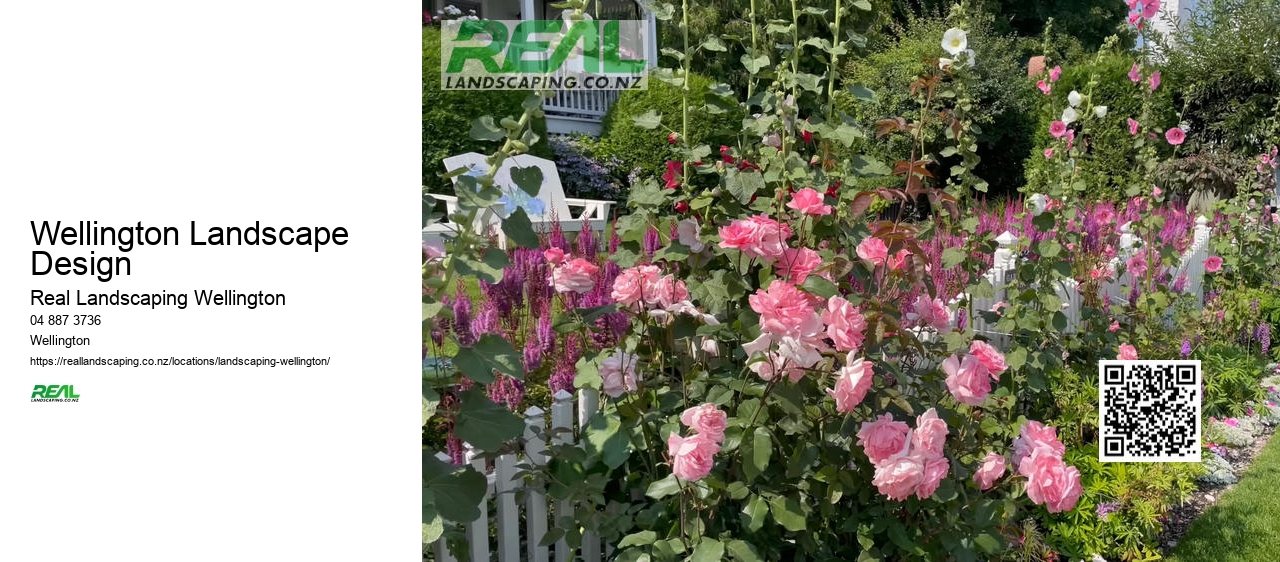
<point x="1050" y="482"/>
<point x="1048" y="153"/>
<point x="930" y="312"/>
<point x="809" y="202"/>
<point x="1044" y="87"/>
<point x="1213" y="264"/>
<point x="1133" y="126"/>
<point x="1127" y="352"/>
<point x="770" y="237"/>
<point x="576" y="276"/>
<point x="935" y="469"/>
<point x="553" y="255"/>
<point x="738" y="235"/>
<point x="797" y="263"/>
<point x="1057" y="129"/>
<point x="898" y="478"/>
<point x="845" y="324"/>
<point x="1032" y="435"/>
<point x="990" y="358"/>
<point x="884" y="439"/>
<point x="1155" y="80"/>
<point x="630" y="285"/>
<point x="898" y="260"/>
<point x="1175" y="136"/>
<point x="930" y="434"/>
<point x="618" y="373"/>
<point x="1135" y="74"/>
<point x="852" y="384"/>
<point x="967" y="379"/>
<point x="1055" y="74"/>
<point x="1156" y="191"/>
<point x="784" y="310"/>
<point x="1114" y="327"/>
<point x="666" y="291"/>
<point x="873" y="250"/>
<point x="707" y="420"/>
<point x="691" y="457"/>
<point x="991" y="469"/>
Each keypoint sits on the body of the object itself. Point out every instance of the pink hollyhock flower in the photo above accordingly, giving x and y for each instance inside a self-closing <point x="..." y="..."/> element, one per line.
<point x="1150" y="8"/>
<point x="1135" y="74"/>
<point x="1048" y="153"/>
<point x="618" y="372"/>
<point x="884" y="439"/>
<point x="553" y="255"/>
<point x="852" y="384"/>
<point x="990" y="470"/>
<point x="935" y="469"/>
<point x="630" y="285"/>
<point x="930" y="434"/>
<point x="691" y="457"/>
<point x="1114" y="327"/>
<point x="666" y="291"/>
<point x="1055" y="74"/>
<point x="1155" y="80"/>
<point x="673" y="137"/>
<point x="1137" y="265"/>
<point x="1175" y="136"/>
<point x="1044" y="87"/>
<point x="1133" y="126"/>
<point x="785" y="310"/>
<point x="674" y="174"/>
<point x="1127" y="352"/>
<point x="1213" y="264"/>
<point x="707" y="420"/>
<point x="873" y="250"/>
<point x="1156" y="191"/>
<point x="997" y="306"/>
<point x="968" y="381"/>
<point x="1071" y="138"/>
<point x="809" y="202"/>
<point x="898" y="478"/>
<point x="1057" y="129"/>
<point x="929" y="312"/>
<point x="1032" y="435"/>
<point x="845" y="324"/>
<point x="575" y="276"/>
<point x="432" y="250"/>
<point x="1050" y="482"/>
<point x="797" y="263"/>
<point x="990" y="358"/>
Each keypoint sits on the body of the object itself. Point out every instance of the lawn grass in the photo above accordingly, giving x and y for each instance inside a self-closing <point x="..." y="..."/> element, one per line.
<point x="1244" y="526"/>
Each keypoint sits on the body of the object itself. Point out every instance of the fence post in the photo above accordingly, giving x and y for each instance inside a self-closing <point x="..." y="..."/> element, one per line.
<point x="505" y="483"/>
<point x="588" y="404"/>
<point x="535" y="512"/>
<point x="1195" y="273"/>
<point x="478" y="530"/>
<point x="562" y="433"/>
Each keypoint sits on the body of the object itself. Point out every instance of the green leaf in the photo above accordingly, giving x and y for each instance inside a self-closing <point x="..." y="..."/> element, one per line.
<point x="756" y="452"/>
<point x="432" y="523"/>
<point x="489" y="267"/>
<point x="987" y="543"/>
<point x="754" y="65"/>
<point x="431" y="309"/>
<point x="743" y="551"/>
<point x="663" y="11"/>
<point x="863" y="5"/>
<point x="491" y="353"/>
<point x="713" y="43"/>
<point x="952" y="257"/>
<point x="649" y="120"/>
<point x="484" y="129"/>
<point x="744" y="185"/>
<point x="662" y="488"/>
<point x="708" y="550"/>
<point x="869" y="166"/>
<point x="456" y="494"/>
<point x="605" y="438"/>
<point x="816" y="285"/>
<point x="430" y="400"/>
<point x="786" y="511"/>
<point x="647" y="194"/>
<point x="862" y="92"/>
<point x="528" y="179"/>
<point x="643" y="538"/>
<point x="519" y="228"/>
<point x="484" y="424"/>
<point x="1017" y="358"/>
<point x="755" y="510"/>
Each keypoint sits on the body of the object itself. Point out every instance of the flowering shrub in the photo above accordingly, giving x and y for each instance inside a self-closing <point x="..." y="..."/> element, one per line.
<point x="583" y="176"/>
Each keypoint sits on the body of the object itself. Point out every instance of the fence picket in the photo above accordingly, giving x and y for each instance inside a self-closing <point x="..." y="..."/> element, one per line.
<point x="478" y="530"/>
<point x="505" y="485"/>
<point x="562" y="433"/>
<point x="535" y="513"/>
<point x="588" y="404"/>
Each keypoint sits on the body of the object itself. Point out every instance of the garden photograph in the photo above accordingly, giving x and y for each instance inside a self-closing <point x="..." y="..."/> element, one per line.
<point x="863" y="280"/>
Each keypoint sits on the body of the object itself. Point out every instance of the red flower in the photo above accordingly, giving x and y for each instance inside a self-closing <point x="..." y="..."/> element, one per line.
<point x="724" y="155"/>
<point x="831" y="190"/>
<point x="682" y="207"/>
<point x="808" y="137"/>
<point x="673" y="138"/>
<point x="675" y="173"/>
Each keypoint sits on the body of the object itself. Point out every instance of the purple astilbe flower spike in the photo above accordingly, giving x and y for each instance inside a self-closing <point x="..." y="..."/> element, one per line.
<point x="566" y="365"/>
<point x="546" y="335"/>
<point x="487" y="321"/>
<point x="614" y="239"/>
<point x="1253" y="307"/>
<point x="651" y="241"/>
<point x="454" y="447"/>
<point x="462" y="319"/>
<point x="587" y="248"/>
<point x="556" y="239"/>
<point x="532" y="358"/>
<point x="1180" y="284"/>
<point x="1186" y="348"/>
<point x="1263" y="335"/>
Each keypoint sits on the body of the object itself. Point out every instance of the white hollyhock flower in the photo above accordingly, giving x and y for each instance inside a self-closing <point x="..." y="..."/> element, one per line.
<point x="688" y="232"/>
<point x="955" y="41"/>
<point x="945" y="63"/>
<point x="1100" y="111"/>
<point x="1069" y="115"/>
<point x="1037" y="204"/>
<point x="1073" y="98"/>
<point x="968" y="57"/>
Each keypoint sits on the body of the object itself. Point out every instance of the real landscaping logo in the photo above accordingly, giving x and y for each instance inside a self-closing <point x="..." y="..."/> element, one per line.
<point x="54" y="393"/>
<point x="544" y="54"/>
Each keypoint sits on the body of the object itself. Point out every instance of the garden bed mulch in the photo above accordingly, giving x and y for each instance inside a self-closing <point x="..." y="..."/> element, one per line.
<point x="1206" y="494"/>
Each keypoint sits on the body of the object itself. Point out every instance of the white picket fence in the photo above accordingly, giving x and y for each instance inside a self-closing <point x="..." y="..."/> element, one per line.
<point x="505" y="479"/>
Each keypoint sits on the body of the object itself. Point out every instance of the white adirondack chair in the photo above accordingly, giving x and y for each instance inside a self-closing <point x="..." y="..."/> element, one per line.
<point x="555" y="206"/>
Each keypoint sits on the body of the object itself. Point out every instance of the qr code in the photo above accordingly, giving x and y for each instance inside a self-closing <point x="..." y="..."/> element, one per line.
<point x="1149" y="411"/>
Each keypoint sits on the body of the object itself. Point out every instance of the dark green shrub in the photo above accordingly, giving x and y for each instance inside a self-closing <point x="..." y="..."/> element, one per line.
<point x="447" y="117"/>
<point x="648" y="149"/>
<point x="1107" y="163"/>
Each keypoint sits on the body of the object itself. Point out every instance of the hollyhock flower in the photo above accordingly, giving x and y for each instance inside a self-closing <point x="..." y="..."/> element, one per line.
<point x="691" y="457"/>
<point x="1045" y="88"/>
<point x="929" y="312"/>
<point x="898" y="478"/>
<point x="997" y="306"/>
<point x="1048" y="153"/>
<point x="1057" y="129"/>
<point x="575" y="276"/>
<point x="1114" y="327"/>
<point x="990" y="470"/>
<point x="1037" y="204"/>
<point x="935" y="469"/>
<point x="785" y="310"/>
<point x="809" y="202"/>
<point x="954" y="41"/>
<point x="707" y="420"/>
<point x="673" y="138"/>
<point x="618" y="372"/>
<point x="1175" y="136"/>
<point x="1050" y="482"/>
<point x="1150" y="8"/>
<point x="930" y="434"/>
<point x="967" y="379"/>
<point x="772" y="139"/>
<point x="553" y="255"/>
<point x="1074" y="98"/>
<point x="1055" y="74"/>
<point x="1155" y="80"/>
<point x="852" y="383"/>
<point x="845" y="324"/>
<point x="1156" y="192"/>
<point x="990" y="358"/>
<point x="797" y="263"/>
<point x="674" y="174"/>
<point x="1133" y="126"/>
<point x="1213" y="264"/>
<point x="1137" y="265"/>
<point x="970" y="58"/>
<point x="687" y="232"/>
<point x="1100" y="111"/>
<point x="1135" y="74"/>
<point x="1127" y="352"/>
<point x="1033" y="435"/>
<point x="873" y="249"/>
<point x="945" y="63"/>
<point x="884" y="439"/>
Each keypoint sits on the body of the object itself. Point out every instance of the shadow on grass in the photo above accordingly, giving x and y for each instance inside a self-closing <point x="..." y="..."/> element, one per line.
<point x="1244" y="526"/>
